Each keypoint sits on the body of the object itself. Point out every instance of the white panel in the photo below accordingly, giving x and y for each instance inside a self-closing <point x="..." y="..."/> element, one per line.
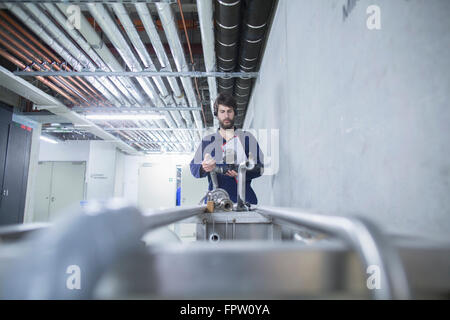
<point x="101" y="172"/>
<point x="157" y="186"/>
<point x="64" y="151"/>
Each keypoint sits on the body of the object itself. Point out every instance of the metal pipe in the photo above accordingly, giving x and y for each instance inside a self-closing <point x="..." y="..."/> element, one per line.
<point x="88" y="33"/>
<point x="60" y="81"/>
<point x="157" y="218"/>
<point x="135" y="39"/>
<point x="145" y="73"/>
<point x="107" y="24"/>
<point x="192" y="59"/>
<point x="43" y="80"/>
<point x="73" y="50"/>
<point x="30" y="23"/>
<point x="363" y="236"/>
<point x="167" y="19"/>
<point x="248" y="164"/>
<point x="149" y="26"/>
<point x="205" y="15"/>
<point x="91" y="36"/>
<point x="62" y="20"/>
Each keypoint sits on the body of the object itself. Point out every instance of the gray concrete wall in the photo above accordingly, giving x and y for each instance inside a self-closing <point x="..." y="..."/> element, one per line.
<point x="363" y="116"/>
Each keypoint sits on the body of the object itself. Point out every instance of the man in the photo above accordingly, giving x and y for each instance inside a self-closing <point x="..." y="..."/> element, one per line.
<point x="227" y="147"/>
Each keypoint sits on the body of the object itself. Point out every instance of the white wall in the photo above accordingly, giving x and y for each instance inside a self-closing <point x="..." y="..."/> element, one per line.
<point x="100" y="158"/>
<point x="131" y="165"/>
<point x="64" y="151"/>
<point x="101" y="170"/>
<point x="364" y="116"/>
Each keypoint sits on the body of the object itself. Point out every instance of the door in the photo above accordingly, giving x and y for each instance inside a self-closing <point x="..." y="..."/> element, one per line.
<point x="15" y="174"/>
<point x="5" y="120"/>
<point x="67" y="187"/>
<point x="42" y="191"/>
<point x="60" y="186"/>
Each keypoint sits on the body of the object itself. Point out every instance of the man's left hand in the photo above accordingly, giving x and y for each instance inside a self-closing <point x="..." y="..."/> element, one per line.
<point x="231" y="173"/>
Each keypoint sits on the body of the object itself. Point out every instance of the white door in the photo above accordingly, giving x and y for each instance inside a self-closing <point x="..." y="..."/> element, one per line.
<point x="157" y="186"/>
<point x="42" y="191"/>
<point x="59" y="185"/>
<point x="67" y="186"/>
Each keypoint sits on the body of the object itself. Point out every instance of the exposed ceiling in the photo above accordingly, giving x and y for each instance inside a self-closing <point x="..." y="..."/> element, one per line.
<point x="157" y="64"/>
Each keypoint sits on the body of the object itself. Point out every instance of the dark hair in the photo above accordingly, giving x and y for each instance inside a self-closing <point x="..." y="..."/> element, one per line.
<point x="226" y="100"/>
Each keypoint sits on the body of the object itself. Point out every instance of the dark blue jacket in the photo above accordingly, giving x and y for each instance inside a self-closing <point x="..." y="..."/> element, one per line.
<point x="212" y="144"/>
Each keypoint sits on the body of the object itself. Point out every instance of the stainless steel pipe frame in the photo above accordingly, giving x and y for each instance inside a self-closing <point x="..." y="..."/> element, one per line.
<point x="102" y="234"/>
<point x="91" y="240"/>
<point x="245" y="166"/>
<point x="363" y="236"/>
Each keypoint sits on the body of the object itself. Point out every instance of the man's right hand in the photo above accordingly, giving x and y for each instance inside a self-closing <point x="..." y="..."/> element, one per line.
<point x="208" y="164"/>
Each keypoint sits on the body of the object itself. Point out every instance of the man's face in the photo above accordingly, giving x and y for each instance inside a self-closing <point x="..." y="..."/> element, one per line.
<point x="226" y="116"/>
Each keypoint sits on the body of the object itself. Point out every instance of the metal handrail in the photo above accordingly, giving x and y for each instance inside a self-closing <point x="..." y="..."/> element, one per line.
<point x="365" y="238"/>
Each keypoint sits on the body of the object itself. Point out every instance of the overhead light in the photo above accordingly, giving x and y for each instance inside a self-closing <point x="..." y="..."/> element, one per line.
<point x="48" y="140"/>
<point x="125" y="116"/>
<point x="55" y="124"/>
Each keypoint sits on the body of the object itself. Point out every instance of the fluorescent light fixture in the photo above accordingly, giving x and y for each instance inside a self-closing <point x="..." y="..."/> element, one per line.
<point x="48" y="140"/>
<point x="119" y="116"/>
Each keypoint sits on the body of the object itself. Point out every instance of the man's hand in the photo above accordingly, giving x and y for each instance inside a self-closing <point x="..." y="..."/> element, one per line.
<point x="231" y="173"/>
<point x="208" y="164"/>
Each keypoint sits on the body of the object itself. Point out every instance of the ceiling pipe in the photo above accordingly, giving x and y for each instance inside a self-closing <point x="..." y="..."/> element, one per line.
<point x="255" y="23"/>
<point x="29" y="57"/>
<point x="21" y="65"/>
<point x="205" y="15"/>
<point x="130" y="31"/>
<point x="37" y="96"/>
<point x="88" y="32"/>
<point x="168" y="21"/>
<point x="62" y="20"/>
<point x="110" y="28"/>
<point x="95" y="42"/>
<point x="228" y="20"/>
<point x="135" y="39"/>
<point x="73" y="50"/>
<point x="107" y="24"/>
<point x="31" y="24"/>
<point x="77" y="61"/>
<point x="33" y="43"/>
<point x="152" y="32"/>
<point x="192" y="59"/>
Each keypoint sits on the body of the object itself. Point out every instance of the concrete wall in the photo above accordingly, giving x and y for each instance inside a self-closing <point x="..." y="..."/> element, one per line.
<point x="363" y="115"/>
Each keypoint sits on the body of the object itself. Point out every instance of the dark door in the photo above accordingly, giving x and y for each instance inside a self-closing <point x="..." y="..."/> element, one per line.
<point x="12" y="203"/>
<point x="5" y="121"/>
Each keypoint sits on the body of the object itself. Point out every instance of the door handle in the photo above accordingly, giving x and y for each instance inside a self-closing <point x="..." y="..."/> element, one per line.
<point x="53" y="199"/>
<point x="5" y="192"/>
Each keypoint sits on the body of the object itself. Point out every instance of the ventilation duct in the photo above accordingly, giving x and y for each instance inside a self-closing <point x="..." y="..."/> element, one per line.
<point x="256" y="16"/>
<point x="228" y="18"/>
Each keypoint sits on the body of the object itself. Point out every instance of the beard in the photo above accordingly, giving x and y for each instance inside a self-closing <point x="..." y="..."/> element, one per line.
<point x="228" y="125"/>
